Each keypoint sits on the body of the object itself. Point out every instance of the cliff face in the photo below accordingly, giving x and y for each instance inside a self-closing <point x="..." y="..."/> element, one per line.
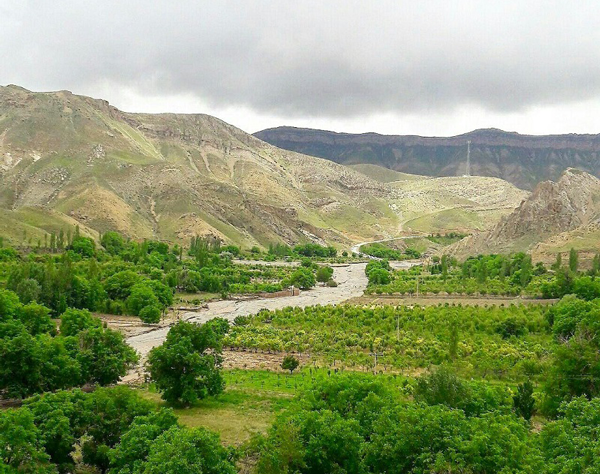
<point x="523" y="160"/>
<point x="554" y="208"/>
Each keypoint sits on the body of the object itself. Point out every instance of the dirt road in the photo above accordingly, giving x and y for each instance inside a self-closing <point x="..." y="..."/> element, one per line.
<point x="351" y="281"/>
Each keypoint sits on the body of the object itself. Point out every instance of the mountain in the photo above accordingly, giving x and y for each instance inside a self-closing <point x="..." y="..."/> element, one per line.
<point x="523" y="160"/>
<point x="555" y="217"/>
<point x="67" y="159"/>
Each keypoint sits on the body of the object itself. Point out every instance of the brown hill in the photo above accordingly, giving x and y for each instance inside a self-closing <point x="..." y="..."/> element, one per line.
<point x="572" y="204"/>
<point x="67" y="159"/>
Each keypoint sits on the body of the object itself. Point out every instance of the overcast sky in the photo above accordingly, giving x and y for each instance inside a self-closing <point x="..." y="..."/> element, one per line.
<point x="423" y="67"/>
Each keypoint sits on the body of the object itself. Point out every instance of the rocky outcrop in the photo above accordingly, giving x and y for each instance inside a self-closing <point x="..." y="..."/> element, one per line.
<point x="553" y="208"/>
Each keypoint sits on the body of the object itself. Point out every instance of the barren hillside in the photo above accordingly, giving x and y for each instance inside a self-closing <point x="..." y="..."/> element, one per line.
<point x="557" y="216"/>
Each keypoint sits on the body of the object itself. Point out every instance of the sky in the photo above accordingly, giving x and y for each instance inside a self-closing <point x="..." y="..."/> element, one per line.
<point x="394" y="67"/>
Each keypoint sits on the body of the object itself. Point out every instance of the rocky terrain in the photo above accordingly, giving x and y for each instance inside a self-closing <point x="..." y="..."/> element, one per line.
<point x="67" y="159"/>
<point x="523" y="160"/>
<point x="555" y="217"/>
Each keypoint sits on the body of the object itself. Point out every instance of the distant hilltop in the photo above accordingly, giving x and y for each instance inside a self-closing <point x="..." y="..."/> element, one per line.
<point x="524" y="160"/>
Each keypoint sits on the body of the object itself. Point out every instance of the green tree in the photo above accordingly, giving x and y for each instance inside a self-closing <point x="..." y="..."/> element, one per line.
<point x="21" y="450"/>
<point x="523" y="401"/>
<point x="150" y="314"/>
<point x="573" y="260"/>
<point x="187" y="366"/>
<point x="74" y="321"/>
<point x="104" y="356"/>
<point x="303" y="278"/>
<point x="36" y="319"/>
<point x="106" y="414"/>
<point x="118" y="286"/>
<point x="83" y="246"/>
<point x="134" y="445"/>
<point x="28" y="290"/>
<point x="557" y="265"/>
<point x="290" y="363"/>
<point x="188" y="451"/>
<point x="141" y="296"/>
<point x="324" y="274"/>
<point x="113" y="242"/>
<point x="379" y="276"/>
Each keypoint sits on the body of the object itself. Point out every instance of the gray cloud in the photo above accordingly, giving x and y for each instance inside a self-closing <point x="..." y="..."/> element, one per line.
<point x="336" y="58"/>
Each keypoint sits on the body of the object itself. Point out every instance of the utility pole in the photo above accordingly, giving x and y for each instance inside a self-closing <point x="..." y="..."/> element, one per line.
<point x="376" y="355"/>
<point x="397" y="326"/>
<point x="417" y="285"/>
<point x="468" y="170"/>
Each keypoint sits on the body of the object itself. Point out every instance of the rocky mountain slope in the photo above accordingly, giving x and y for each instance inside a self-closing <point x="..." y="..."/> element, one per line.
<point x="523" y="160"/>
<point x="67" y="159"/>
<point x="555" y="217"/>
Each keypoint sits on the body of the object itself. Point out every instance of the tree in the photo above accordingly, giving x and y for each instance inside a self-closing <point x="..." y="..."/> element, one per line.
<point x="188" y="451"/>
<point x="106" y="414"/>
<point x="134" y="445"/>
<point x="303" y="278"/>
<point x="28" y="290"/>
<point x="313" y="442"/>
<point x="21" y="450"/>
<point x="150" y="314"/>
<point x="104" y="356"/>
<point x="568" y="442"/>
<point x="36" y="319"/>
<point x="83" y="246"/>
<point x="140" y="297"/>
<point x="324" y="274"/>
<point x="9" y="303"/>
<point x="523" y="400"/>
<point x="290" y="363"/>
<point x="379" y="276"/>
<point x="187" y="366"/>
<point x="113" y="242"/>
<point x="73" y="321"/>
<point x="57" y="417"/>
<point x="558" y="263"/>
<point x="573" y="260"/>
<point x="119" y="285"/>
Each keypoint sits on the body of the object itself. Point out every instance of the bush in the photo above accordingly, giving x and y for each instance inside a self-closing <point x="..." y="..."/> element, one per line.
<point x="324" y="274"/>
<point x="150" y="314"/>
<point x="303" y="278"/>
<point x="290" y="363"/>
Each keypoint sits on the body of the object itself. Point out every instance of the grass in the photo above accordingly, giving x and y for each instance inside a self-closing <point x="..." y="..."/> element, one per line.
<point x="250" y="403"/>
<point x="447" y="220"/>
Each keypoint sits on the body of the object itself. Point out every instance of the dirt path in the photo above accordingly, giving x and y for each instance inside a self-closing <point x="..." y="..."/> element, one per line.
<point x="351" y="281"/>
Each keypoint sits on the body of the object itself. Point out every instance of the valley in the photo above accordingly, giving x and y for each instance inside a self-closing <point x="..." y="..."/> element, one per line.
<point x="147" y="264"/>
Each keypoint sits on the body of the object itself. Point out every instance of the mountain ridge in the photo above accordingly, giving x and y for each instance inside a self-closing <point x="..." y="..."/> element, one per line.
<point x="523" y="160"/>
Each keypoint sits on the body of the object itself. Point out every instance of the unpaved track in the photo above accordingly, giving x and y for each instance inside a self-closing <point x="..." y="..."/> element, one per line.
<point x="351" y="281"/>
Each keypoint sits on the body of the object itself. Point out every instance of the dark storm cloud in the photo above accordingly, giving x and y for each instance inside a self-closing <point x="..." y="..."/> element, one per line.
<point x="311" y="58"/>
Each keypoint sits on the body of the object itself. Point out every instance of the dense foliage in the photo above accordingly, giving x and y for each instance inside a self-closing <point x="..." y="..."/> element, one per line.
<point x="114" y="430"/>
<point x="36" y="357"/>
<point x="356" y="424"/>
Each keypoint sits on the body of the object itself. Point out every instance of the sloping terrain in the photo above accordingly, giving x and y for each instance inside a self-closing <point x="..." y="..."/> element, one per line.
<point x="68" y="159"/>
<point x="556" y="216"/>
<point x="524" y="160"/>
<point x="452" y="204"/>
